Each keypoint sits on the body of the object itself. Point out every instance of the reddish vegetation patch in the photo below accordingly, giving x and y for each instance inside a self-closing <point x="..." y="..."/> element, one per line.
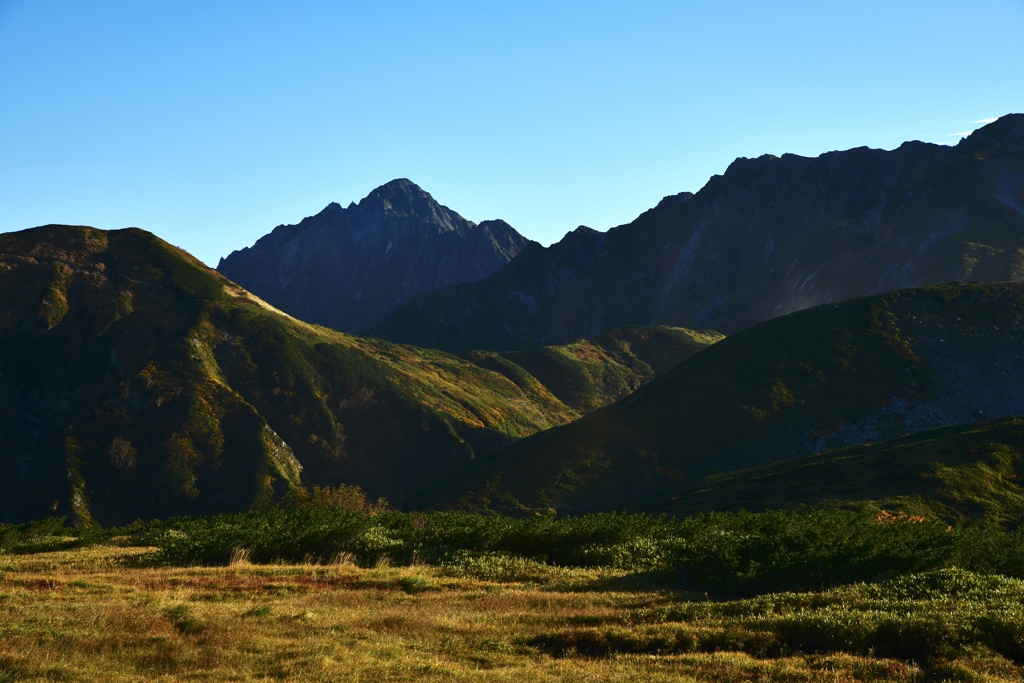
<point x="886" y="517"/>
<point x="38" y="584"/>
<point x="260" y="584"/>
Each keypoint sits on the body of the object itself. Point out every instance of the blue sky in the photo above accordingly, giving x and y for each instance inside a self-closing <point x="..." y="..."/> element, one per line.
<point x="209" y="123"/>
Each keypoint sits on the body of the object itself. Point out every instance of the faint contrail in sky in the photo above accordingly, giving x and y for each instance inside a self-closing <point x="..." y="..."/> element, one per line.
<point x="965" y="133"/>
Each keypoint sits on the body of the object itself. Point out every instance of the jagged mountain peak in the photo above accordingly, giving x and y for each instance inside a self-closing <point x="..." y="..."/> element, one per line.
<point x="580" y="231"/>
<point x="400" y="185"/>
<point x="401" y="195"/>
<point x="348" y="268"/>
<point x="1005" y="134"/>
<point x="494" y="223"/>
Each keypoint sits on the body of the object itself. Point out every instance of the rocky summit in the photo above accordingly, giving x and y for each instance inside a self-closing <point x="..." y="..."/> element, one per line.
<point x="348" y="268"/>
<point x="770" y="236"/>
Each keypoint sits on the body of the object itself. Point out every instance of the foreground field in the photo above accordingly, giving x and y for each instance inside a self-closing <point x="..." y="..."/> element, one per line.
<point x="106" y="613"/>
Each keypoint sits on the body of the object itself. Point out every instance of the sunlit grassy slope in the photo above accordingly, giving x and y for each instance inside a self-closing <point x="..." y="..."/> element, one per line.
<point x="589" y="374"/>
<point x="134" y="381"/>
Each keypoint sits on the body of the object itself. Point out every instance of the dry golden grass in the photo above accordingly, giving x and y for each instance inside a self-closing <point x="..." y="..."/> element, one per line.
<point x="101" y="614"/>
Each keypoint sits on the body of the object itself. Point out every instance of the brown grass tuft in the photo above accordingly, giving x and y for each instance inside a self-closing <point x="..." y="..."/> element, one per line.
<point x="240" y="557"/>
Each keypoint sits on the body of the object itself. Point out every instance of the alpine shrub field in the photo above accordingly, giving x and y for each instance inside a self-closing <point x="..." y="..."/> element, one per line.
<point x="724" y="553"/>
<point x="333" y="588"/>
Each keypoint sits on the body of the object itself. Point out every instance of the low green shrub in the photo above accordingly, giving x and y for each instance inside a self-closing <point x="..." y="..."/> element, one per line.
<point x="723" y="554"/>
<point x="14" y="535"/>
<point x="269" y="535"/>
<point x="184" y="621"/>
<point x="921" y="617"/>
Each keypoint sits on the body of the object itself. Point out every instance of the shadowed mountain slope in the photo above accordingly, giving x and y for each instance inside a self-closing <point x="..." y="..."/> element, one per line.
<point x="348" y="268"/>
<point x="952" y="473"/>
<point x="136" y="382"/>
<point x="864" y="370"/>
<point x="770" y="236"/>
<point x="957" y="473"/>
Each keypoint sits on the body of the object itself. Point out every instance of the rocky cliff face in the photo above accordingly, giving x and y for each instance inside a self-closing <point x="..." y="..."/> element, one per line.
<point x="348" y="268"/>
<point x="770" y="236"/>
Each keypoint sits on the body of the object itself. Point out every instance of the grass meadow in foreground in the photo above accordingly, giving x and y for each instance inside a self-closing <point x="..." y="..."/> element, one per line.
<point x="106" y="612"/>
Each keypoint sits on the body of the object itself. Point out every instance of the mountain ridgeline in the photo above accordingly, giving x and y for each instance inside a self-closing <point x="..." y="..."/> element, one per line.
<point x="136" y="382"/>
<point x="770" y="236"/>
<point x="348" y="268"/>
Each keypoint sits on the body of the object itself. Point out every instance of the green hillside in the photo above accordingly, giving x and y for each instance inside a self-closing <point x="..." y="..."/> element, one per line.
<point x="865" y="370"/>
<point x="956" y="474"/>
<point x="136" y="382"/>
<point x="591" y="373"/>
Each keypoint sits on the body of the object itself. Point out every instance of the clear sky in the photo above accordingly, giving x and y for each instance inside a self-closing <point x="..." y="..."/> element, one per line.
<point x="209" y="123"/>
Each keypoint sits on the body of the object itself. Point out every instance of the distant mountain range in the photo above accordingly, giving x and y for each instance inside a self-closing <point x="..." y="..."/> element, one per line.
<point x="137" y="382"/>
<point x="770" y="236"/>
<point x="348" y="268"/>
